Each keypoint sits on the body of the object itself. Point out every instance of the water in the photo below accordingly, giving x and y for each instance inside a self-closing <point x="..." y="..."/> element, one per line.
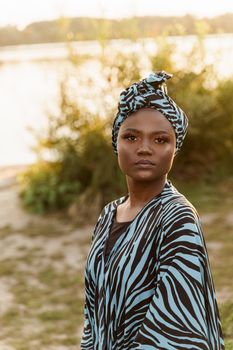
<point x="30" y="76"/>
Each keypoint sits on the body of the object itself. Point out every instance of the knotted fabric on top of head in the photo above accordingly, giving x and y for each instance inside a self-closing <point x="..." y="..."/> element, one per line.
<point x="150" y="92"/>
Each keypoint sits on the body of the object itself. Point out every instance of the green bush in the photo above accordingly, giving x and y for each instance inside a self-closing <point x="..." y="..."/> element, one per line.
<point x="43" y="188"/>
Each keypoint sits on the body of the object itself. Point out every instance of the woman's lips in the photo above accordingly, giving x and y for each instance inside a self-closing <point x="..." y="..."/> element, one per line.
<point x="144" y="163"/>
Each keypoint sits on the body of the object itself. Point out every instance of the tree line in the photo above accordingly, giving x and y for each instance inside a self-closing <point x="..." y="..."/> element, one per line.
<point x="82" y="28"/>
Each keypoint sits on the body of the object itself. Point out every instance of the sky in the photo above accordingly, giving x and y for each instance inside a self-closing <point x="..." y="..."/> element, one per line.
<point x="23" y="12"/>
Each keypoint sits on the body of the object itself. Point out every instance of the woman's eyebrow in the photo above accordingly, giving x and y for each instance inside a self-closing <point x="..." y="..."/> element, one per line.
<point x="152" y="132"/>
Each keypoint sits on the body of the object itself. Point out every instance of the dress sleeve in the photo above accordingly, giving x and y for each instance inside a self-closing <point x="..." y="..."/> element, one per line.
<point x="87" y="341"/>
<point x="183" y="312"/>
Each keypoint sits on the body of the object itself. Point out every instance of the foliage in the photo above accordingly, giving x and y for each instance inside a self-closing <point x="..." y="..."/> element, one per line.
<point x="120" y="69"/>
<point x="207" y="102"/>
<point x="209" y="139"/>
<point x="44" y="189"/>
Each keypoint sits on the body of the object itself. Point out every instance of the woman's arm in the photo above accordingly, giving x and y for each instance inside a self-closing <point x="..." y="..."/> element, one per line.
<point x="183" y="312"/>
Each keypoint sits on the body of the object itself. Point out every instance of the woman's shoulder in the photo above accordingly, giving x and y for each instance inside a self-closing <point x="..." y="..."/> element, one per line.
<point x="175" y="203"/>
<point x="104" y="213"/>
<point x="111" y="206"/>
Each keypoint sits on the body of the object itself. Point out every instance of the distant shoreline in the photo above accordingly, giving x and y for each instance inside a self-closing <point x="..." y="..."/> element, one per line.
<point x="10" y="171"/>
<point x="41" y="45"/>
<point x="104" y="29"/>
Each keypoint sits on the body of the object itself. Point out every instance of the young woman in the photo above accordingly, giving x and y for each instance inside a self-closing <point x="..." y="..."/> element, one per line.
<point x="148" y="283"/>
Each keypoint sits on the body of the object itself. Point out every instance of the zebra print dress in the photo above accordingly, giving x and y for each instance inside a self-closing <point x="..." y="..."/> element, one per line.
<point x="155" y="291"/>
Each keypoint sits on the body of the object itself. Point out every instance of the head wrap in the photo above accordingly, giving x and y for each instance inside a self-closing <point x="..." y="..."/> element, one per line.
<point x="150" y="92"/>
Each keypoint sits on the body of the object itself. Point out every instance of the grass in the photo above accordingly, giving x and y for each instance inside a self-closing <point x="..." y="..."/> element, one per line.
<point x="227" y="319"/>
<point x="208" y="197"/>
<point x="45" y="230"/>
<point x="48" y="300"/>
<point x="55" y="304"/>
<point x="5" y="231"/>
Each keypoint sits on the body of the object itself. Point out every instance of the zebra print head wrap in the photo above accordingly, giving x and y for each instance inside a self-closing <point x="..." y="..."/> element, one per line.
<point x="150" y="92"/>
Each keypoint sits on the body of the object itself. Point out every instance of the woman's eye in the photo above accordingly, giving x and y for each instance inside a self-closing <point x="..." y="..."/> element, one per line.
<point x="159" y="140"/>
<point x="130" y="137"/>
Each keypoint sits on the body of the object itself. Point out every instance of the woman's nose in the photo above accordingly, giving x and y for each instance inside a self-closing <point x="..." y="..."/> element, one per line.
<point x="144" y="148"/>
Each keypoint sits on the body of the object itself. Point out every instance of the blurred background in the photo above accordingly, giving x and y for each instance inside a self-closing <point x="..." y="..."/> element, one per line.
<point x="62" y="67"/>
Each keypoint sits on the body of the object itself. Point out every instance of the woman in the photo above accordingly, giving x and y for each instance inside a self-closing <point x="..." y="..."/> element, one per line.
<point x="148" y="279"/>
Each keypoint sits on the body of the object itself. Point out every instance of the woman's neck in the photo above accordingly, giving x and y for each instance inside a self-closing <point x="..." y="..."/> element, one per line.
<point x="141" y="193"/>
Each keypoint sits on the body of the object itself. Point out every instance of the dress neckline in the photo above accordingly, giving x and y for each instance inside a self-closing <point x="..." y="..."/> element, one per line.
<point x="121" y="222"/>
<point x="124" y="198"/>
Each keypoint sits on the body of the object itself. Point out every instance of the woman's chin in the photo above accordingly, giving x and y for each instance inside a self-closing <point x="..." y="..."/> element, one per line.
<point x="144" y="176"/>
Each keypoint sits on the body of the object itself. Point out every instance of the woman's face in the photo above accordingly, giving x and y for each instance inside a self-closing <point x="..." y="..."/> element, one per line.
<point x="146" y="145"/>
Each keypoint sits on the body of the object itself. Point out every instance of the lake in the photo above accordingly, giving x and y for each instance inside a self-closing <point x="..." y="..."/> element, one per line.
<point x="30" y="76"/>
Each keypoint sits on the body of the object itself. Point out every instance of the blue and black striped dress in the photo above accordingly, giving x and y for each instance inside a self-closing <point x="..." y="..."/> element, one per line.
<point x="155" y="289"/>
